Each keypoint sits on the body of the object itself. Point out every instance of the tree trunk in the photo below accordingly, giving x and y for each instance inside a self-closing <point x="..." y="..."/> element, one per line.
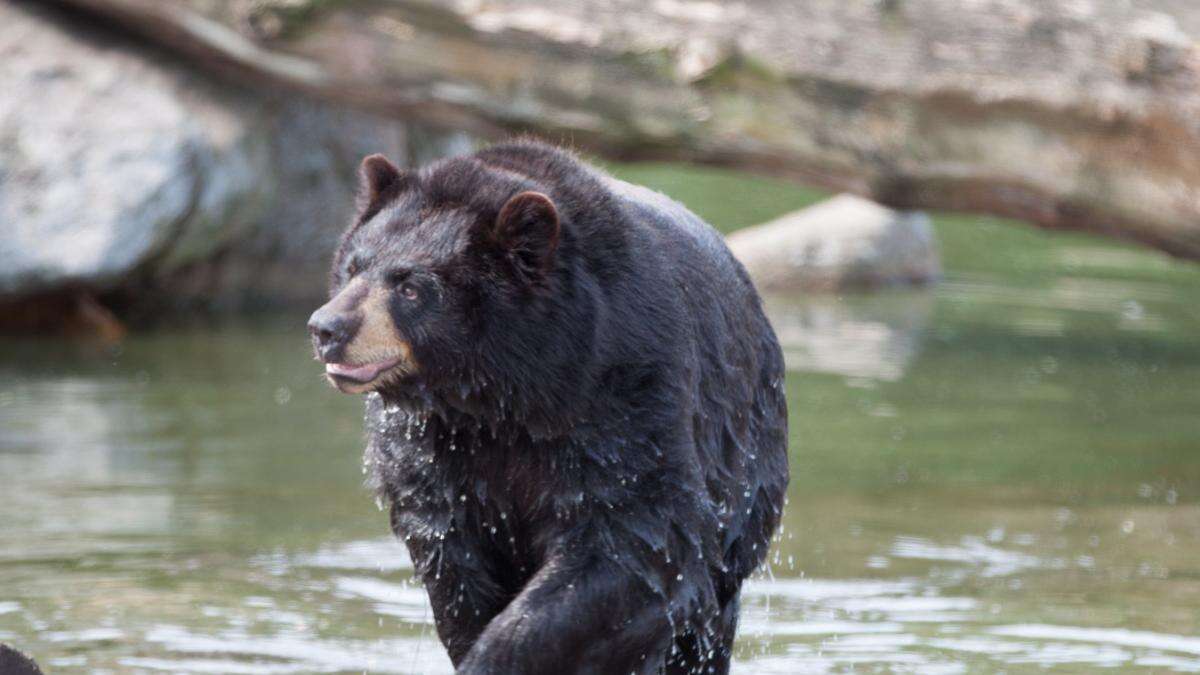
<point x="1071" y="114"/>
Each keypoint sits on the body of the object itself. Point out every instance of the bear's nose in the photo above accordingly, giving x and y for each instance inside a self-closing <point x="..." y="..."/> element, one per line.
<point x="330" y="330"/>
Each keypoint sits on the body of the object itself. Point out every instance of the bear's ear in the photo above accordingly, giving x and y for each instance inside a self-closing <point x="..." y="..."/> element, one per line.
<point x="527" y="228"/>
<point x="377" y="178"/>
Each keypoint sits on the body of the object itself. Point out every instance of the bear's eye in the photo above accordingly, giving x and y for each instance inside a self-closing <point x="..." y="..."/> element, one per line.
<point x="402" y="281"/>
<point x="352" y="269"/>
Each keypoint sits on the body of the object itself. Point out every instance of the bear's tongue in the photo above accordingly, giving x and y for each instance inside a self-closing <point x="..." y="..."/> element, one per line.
<point x="363" y="373"/>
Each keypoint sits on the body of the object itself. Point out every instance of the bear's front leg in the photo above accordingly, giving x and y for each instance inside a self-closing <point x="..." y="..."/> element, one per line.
<point x="463" y="591"/>
<point x="582" y="613"/>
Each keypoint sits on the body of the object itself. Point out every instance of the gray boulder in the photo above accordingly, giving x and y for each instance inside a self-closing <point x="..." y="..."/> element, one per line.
<point x="123" y="169"/>
<point x="111" y="162"/>
<point x="844" y="242"/>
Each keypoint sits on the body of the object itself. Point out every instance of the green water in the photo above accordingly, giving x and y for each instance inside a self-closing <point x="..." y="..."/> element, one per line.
<point x="999" y="474"/>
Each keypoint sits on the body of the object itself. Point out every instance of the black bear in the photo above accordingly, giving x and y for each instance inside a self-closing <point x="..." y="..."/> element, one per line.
<point x="13" y="662"/>
<point x="576" y="409"/>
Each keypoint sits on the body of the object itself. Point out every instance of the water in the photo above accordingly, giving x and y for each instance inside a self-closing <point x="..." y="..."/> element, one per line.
<point x="998" y="475"/>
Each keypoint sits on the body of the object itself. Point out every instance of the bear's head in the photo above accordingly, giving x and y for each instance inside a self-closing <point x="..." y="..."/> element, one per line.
<point x="427" y="257"/>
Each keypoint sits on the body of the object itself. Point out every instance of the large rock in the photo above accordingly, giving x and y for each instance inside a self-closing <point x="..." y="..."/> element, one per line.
<point x="844" y="242"/>
<point x="110" y="161"/>
<point x="126" y="174"/>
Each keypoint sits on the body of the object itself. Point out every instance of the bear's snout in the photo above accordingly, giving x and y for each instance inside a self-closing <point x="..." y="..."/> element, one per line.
<point x="331" y="331"/>
<point x="355" y="337"/>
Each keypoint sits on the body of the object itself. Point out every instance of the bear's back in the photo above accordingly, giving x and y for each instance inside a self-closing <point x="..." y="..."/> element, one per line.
<point x="731" y="363"/>
<point x="739" y="419"/>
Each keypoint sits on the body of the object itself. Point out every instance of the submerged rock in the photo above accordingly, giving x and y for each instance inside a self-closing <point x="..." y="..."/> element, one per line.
<point x="845" y="242"/>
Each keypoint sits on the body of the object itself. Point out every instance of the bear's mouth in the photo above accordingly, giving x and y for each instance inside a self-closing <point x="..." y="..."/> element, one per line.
<point x="347" y="376"/>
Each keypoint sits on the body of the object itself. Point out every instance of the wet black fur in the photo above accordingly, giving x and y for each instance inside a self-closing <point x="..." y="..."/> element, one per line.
<point x="591" y="457"/>
<point x="13" y="662"/>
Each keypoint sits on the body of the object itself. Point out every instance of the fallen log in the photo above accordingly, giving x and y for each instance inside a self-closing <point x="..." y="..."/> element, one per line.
<point x="1079" y="114"/>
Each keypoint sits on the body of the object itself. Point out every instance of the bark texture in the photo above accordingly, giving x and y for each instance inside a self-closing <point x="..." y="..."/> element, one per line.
<point x="1075" y="114"/>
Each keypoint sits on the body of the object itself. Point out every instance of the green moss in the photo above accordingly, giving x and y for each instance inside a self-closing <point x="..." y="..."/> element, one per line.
<point x="740" y="71"/>
<point x="654" y="63"/>
<point x="293" y="16"/>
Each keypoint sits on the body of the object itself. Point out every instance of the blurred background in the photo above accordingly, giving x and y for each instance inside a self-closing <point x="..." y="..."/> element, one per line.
<point x="976" y="224"/>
